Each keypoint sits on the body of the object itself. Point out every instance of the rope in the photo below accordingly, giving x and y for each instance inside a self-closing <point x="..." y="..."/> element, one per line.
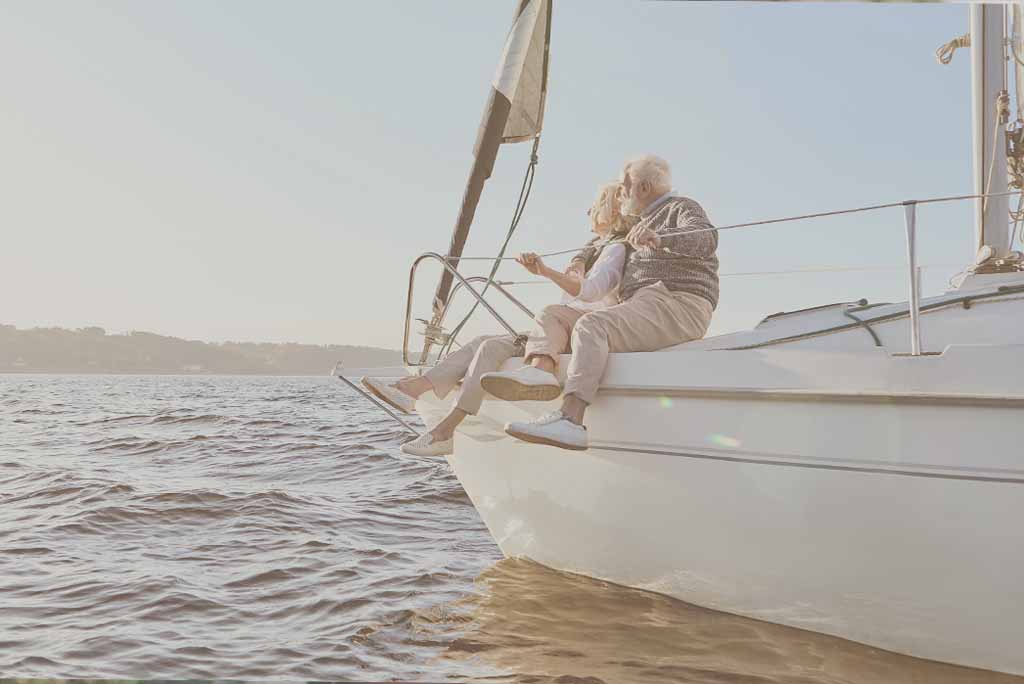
<point x="1003" y="111"/>
<point x="801" y="217"/>
<point x="524" y="195"/>
<point x="945" y="53"/>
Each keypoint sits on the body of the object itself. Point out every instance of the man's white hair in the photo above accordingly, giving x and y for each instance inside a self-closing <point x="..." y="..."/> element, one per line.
<point x="650" y="168"/>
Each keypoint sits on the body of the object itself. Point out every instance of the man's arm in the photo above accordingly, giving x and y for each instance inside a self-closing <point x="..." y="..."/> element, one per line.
<point x="678" y="235"/>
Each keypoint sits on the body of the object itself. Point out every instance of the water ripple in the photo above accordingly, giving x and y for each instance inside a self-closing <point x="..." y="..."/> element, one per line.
<point x="269" y="528"/>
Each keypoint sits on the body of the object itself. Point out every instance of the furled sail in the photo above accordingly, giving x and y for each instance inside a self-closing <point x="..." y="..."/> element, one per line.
<point x="514" y="113"/>
<point x="1017" y="51"/>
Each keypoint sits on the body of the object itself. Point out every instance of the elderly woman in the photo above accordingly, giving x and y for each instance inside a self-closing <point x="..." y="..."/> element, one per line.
<point x="590" y="287"/>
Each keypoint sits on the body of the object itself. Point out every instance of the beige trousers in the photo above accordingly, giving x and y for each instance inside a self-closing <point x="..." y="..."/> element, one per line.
<point x="483" y="355"/>
<point x="652" y="319"/>
<point x="552" y="332"/>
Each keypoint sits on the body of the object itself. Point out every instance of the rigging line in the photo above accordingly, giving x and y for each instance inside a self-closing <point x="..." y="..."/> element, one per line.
<point x="864" y="324"/>
<point x="1020" y="219"/>
<point x="524" y="193"/>
<point x="792" y="271"/>
<point x="801" y="217"/>
<point x="1018" y="224"/>
<point x="524" y="196"/>
<point x="1002" y="115"/>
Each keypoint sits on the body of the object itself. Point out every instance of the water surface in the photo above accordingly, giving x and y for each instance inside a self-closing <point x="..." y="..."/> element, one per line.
<point x="172" y="527"/>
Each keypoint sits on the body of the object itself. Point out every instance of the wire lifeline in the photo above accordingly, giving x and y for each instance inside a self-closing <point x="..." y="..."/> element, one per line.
<point x="790" y="271"/>
<point x="801" y="217"/>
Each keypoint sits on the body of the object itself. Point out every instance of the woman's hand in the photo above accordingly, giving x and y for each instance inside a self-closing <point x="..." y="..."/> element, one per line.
<point x="531" y="262"/>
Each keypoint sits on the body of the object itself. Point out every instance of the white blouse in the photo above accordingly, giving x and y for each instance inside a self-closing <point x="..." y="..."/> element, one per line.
<point x="600" y="286"/>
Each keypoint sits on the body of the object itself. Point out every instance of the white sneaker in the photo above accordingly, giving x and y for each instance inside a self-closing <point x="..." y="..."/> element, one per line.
<point x="390" y="394"/>
<point x="554" y="429"/>
<point x="424" y="445"/>
<point x="523" y="384"/>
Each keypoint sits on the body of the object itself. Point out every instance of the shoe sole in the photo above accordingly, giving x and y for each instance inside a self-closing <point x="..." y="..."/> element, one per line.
<point x="513" y="390"/>
<point x="534" y="439"/>
<point x="383" y="397"/>
<point x="426" y="455"/>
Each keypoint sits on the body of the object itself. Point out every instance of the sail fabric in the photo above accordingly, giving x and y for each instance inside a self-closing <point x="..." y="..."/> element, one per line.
<point x="521" y="73"/>
<point x="514" y="113"/>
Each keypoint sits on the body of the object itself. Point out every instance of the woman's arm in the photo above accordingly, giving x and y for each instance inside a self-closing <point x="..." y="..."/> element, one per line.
<point x="569" y="282"/>
<point x="606" y="274"/>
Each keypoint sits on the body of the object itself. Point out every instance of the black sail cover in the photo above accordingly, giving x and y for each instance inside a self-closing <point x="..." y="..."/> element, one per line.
<point x="514" y="113"/>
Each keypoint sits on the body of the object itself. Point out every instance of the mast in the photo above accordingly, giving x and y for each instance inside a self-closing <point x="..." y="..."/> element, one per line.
<point x="514" y="113"/>
<point x="988" y="69"/>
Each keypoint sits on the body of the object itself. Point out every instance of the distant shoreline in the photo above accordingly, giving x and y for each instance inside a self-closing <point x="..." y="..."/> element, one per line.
<point x="91" y="351"/>
<point x="325" y="374"/>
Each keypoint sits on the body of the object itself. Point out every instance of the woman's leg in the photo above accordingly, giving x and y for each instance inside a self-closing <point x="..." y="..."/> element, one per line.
<point x="550" y="337"/>
<point x="443" y="377"/>
<point x="446" y="428"/>
<point x="490" y="355"/>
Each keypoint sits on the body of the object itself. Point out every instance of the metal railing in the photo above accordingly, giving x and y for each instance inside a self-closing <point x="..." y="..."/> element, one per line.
<point x="913" y="270"/>
<point x="913" y="276"/>
<point x="498" y="285"/>
<point x="463" y="282"/>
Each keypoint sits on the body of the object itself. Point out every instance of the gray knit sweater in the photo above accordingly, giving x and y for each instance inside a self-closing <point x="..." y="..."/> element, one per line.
<point x="684" y="263"/>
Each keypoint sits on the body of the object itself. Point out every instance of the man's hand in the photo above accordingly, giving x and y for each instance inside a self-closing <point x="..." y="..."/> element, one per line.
<point x="642" y="236"/>
<point x="531" y="262"/>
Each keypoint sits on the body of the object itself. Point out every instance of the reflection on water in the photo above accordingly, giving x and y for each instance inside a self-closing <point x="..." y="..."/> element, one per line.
<point x="270" y="529"/>
<point x="545" y="625"/>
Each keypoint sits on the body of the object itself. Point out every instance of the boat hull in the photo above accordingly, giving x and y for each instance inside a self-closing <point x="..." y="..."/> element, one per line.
<point x="888" y="515"/>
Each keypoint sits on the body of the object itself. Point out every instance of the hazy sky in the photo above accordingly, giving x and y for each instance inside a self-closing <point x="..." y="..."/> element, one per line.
<point x="268" y="170"/>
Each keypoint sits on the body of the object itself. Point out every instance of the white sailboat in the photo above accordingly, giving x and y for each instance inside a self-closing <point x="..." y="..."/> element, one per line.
<point x="849" y="469"/>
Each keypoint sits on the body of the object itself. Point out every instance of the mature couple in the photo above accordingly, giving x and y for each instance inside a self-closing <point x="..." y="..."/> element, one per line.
<point x="648" y="281"/>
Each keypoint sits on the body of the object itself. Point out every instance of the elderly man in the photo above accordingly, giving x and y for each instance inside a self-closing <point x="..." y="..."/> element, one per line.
<point x="668" y="292"/>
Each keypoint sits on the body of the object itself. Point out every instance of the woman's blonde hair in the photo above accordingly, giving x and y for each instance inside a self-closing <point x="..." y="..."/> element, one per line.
<point x="607" y="209"/>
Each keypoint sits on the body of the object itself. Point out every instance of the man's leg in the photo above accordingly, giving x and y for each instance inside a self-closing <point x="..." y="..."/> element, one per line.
<point x="653" y="319"/>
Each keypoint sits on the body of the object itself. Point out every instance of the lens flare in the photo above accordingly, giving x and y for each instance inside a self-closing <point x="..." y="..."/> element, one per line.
<point x="724" y="441"/>
<point x="666" y="402"/>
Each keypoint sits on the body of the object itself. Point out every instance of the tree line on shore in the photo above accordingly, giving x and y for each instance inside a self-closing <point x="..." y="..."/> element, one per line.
<point x="92" y="350"/>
